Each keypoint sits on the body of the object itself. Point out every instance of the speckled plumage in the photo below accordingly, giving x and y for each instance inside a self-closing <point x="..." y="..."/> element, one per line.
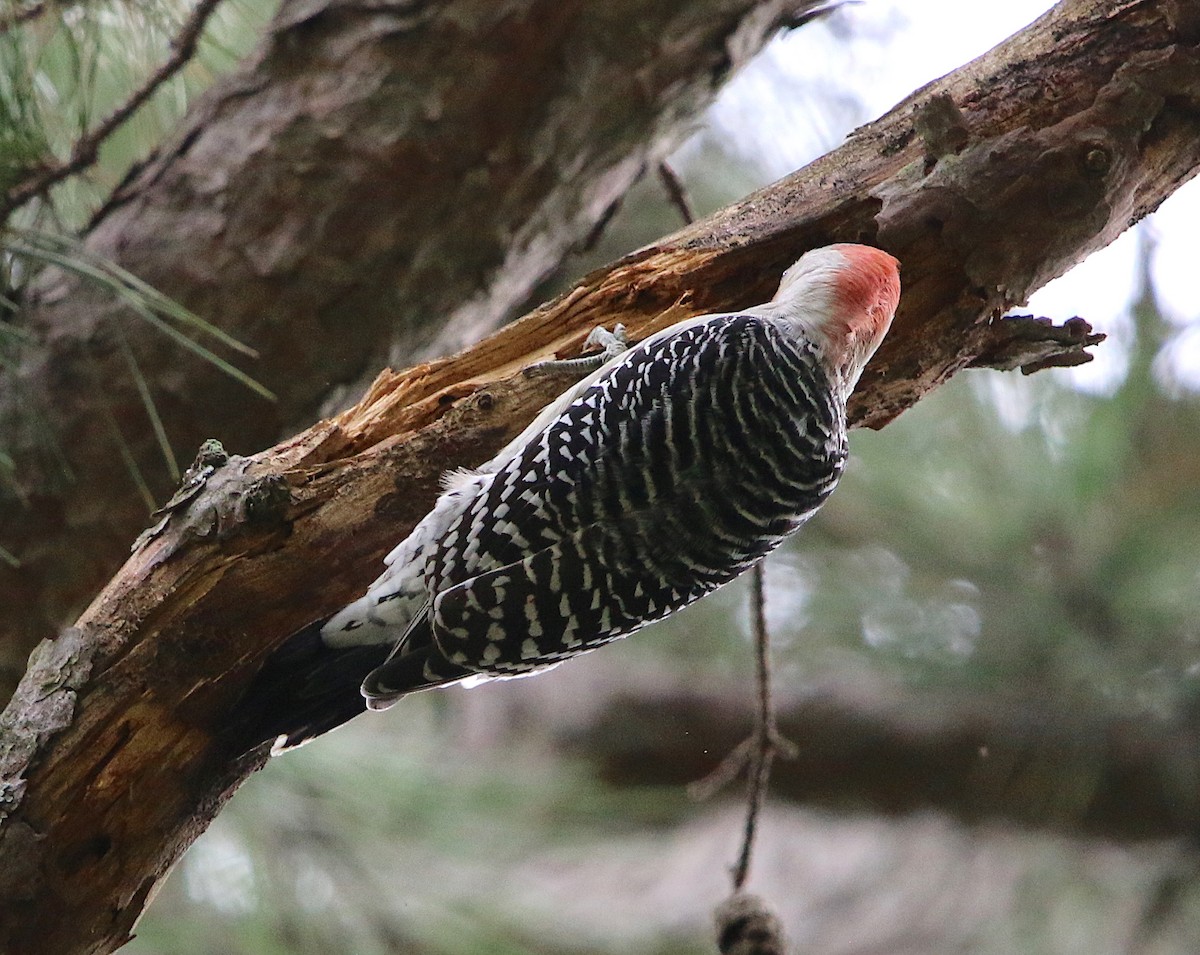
<point x="675" y="471"/>
<point x="661" y="476"/>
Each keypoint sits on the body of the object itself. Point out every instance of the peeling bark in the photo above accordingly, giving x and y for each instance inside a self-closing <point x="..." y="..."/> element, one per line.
<point x="376" y="182"/>
<point x="175" y="638"/>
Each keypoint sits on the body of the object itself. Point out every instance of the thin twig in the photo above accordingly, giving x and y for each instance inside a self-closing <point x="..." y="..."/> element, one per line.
<point x="762" y="751"/>
<point x="597" y="231"/>
<point x="22" y="15"/>
<point x="87" y="147"/>
<point x="745" y="923"/>
<point x="758" y="751"/>
<point x="676" y="192"/>
<point x="729" y="769"/>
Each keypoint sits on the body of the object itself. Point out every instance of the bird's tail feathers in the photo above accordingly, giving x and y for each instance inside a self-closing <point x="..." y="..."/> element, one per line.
<point x="421" y="668"/>
<point x="304" y="689"/>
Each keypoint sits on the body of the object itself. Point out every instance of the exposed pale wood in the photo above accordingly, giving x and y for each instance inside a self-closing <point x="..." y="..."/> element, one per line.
<point x="378" y="181"/>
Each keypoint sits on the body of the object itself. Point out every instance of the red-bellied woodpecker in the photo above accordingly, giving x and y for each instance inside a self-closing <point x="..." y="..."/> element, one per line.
<point x="664" y="474"/>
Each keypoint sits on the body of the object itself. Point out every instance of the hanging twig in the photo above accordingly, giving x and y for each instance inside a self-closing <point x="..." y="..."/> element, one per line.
<point x="762" y="743"/>
<point x="676" y="192"/>
<point x="87" y="147"/>
<point x="756" y="753"/>
<point x="745" y="924"/>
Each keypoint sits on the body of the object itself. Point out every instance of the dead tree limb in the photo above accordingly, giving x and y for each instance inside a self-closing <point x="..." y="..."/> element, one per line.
<point x="1073" y="130"/>
<point x="376" y="182"/>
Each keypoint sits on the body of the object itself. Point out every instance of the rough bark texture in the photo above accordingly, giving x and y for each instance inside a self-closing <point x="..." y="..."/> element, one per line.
<point x="1069" y="133"/>
<point x="379" y="180"/>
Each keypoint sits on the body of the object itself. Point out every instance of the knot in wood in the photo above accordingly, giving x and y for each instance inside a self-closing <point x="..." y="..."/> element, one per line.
<point x="267" y="500"/>
<point x="940" y="123"/>
<point x="1096" y="160"/>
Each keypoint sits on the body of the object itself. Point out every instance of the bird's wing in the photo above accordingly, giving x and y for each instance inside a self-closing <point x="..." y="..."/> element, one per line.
<point x="547" y="415"/>
<point x="665" y="477"/>
<point x="399" y="594"/>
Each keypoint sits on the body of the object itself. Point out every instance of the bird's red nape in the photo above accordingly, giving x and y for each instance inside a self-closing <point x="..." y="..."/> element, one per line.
<point x="868" y="289"/>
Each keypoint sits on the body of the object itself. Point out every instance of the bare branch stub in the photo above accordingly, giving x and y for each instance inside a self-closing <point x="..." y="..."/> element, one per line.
<point x="676" y="192"/>
<point x="1034" y="343"/>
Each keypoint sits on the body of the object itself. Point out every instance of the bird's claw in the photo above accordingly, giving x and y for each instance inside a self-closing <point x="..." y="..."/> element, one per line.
<point x="611" y="344"/>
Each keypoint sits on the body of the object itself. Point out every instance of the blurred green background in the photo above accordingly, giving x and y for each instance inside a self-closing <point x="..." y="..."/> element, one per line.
<point x="1018" y="555"/>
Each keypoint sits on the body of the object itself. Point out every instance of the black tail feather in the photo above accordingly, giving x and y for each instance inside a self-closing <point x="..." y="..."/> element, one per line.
<point x="303" y="690"/>
<point x="417" y="668"/>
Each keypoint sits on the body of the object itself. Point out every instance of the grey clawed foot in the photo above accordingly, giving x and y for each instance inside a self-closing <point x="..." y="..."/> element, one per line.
<point x="611" y="344"/>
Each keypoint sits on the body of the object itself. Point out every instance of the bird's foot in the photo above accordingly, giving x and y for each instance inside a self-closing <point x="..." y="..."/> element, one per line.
<point x="611" y="345"/>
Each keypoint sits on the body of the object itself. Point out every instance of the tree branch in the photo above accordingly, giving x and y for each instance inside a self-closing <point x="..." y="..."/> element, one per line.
<point x="278" y="539"/>
<point x="344" y="199"/>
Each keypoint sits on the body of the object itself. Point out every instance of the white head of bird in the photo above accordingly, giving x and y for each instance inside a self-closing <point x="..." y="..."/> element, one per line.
<point x="843" y="297"/>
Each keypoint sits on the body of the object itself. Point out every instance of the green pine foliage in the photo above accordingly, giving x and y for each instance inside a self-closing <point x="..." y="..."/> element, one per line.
<point x="67" y="68"/>
<point x="64" y="68"/>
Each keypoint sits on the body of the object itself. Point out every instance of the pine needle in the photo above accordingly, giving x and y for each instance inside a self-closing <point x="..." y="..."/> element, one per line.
<point x="148" y="303"/>
<point x="160" y="432"/>
<point x="124" y="282"/>
<point x="131" y="465"/>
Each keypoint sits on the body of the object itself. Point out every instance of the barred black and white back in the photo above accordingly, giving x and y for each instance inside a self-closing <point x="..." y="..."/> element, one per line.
<point x="663" y="475"/>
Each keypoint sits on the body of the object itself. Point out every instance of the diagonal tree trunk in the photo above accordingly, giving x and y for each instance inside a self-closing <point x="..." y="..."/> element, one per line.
<point x="378" y="181"/>
<point x="983" y="185"/>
